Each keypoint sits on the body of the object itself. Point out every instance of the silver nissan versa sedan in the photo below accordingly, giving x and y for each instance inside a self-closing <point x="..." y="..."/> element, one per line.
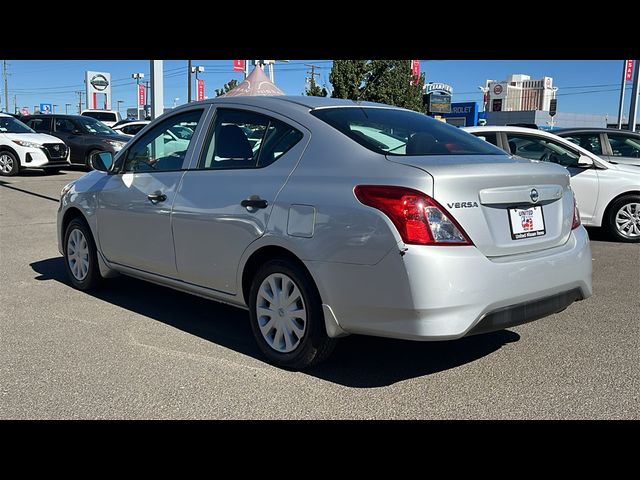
<point x="327" y="217"/>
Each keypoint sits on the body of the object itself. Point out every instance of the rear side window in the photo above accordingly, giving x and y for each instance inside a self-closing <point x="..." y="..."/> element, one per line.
<point x="402" y="132"/>
<point x="624" y="145"/>
<point x="40" y="124"/>
<point x="102" y="116"/>
<point x="243" y="139"/>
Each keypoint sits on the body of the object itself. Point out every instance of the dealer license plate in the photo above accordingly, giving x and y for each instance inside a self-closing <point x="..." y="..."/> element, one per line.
<point x="526" y="222"/>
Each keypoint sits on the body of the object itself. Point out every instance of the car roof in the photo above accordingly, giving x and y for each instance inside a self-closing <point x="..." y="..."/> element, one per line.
<point x="289" y="101"/>
<point x="564" y="131"/>
<point x="98" y="110"/>
<point x="54" y="115"/>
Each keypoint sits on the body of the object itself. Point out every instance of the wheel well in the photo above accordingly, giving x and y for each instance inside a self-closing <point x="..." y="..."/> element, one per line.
<point x="6" y="148"/>
<point x="69" y="215"/>
<point x="258" y="258"/>
<point x="606" y="210"/>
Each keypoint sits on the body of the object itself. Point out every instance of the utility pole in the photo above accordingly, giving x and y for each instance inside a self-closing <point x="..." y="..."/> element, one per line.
<point x="633" y="108"/>
<point x="15" y="104"/>
<point x="79" y="92"/>
<point x="312" y="74"/>
<point x="118" y="102"/>
<point x="189" y="82"/>
<point x="66" y="108"/>
<point x="6" y="85"/>
<point x="54" y="108"/>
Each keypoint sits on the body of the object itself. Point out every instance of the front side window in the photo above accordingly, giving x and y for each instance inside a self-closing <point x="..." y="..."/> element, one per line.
<point x="241" y="139"/>
<point x="542" y="149"/>
<point x="132" y="129"/>
<point x="624" y="145"/>
<point x="65" y="125"/>
<point x="490" y="137"/>
<point x="159" y="149"/>
<point x="588" y="141"/>
<point x="402" y="132"/>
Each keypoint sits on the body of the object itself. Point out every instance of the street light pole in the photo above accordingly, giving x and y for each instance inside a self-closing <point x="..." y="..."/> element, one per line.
<point x="137" y="76"/>
<point x="54" y="107"/>
<point x="118" y="102"/>
<point x="66" y="108"/>
<point x="197" y="69"/>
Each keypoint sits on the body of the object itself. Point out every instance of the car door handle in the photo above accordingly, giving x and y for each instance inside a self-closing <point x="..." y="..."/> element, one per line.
<point x="254" y="203"/>
<point x="156" y="197"/>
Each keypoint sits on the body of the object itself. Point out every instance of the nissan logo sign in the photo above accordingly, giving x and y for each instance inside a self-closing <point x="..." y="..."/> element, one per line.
<point x="99" y="82"/>
<point x="497" y="89"/>
<point x="534" y="195"/>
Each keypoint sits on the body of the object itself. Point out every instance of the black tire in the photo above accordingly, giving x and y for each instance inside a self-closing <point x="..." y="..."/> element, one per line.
<point x="92" y="279"/>
<point x="87" y="162"/>
<point x="314" y="346"/>
<point x="12" y="159"/>
<point x="610" y="222"/>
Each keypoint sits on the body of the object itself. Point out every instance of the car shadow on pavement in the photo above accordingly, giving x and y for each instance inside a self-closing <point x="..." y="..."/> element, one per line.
<point x="358" y="361"/>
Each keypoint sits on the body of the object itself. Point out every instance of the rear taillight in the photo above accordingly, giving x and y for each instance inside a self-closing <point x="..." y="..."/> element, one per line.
<point x="576" y="215"/>
<point x="420" y="220"/>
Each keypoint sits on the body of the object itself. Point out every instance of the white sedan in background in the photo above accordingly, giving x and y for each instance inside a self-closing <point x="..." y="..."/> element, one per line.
<point x="131" y="128"/>
<point x="607" y="194"/>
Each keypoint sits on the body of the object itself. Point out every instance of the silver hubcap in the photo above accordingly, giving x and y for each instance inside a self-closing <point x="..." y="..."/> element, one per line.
<point x="78" y="254"/>
<point x="6" y="163"/>
<point x="281" y="312"/>
<point x="628" y="220"/>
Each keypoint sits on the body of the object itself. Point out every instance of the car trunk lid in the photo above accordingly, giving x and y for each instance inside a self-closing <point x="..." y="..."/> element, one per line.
<point x="507" y="206"/>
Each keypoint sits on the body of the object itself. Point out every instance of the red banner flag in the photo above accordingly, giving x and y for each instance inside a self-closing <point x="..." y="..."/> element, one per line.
<point x="239" y="65"/>
<point x="141" y="95"/>
<point x="629" y="70"/>
<point x="415" y="71"/>
<point x="200" y="90"/>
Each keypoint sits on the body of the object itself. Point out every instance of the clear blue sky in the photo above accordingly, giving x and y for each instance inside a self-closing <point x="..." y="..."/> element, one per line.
<point x="586" y="86"/>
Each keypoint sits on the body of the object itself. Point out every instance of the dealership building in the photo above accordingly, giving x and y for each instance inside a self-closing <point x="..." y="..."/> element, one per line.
<point x="519" y="93"/>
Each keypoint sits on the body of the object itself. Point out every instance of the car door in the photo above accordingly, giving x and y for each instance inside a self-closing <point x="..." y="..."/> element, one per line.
<point x="584" y="181"/>
<point x="623" y="148"/>
<point x="134" y="214"/>
<point x="69" y="132"/>
<point x="225" y="200"/>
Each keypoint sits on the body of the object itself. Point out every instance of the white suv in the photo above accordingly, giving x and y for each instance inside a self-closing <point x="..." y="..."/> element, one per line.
<point x="22" y="147"/>
<point x="108" y="117"/>
<point x="608" y="194"/>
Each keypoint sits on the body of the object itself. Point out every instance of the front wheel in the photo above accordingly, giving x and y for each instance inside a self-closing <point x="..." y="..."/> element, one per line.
<point x="80" y="256"/>
<point x="623" y="222"/>
<point x="9" y="164"/>
<point x="286" y="316"/>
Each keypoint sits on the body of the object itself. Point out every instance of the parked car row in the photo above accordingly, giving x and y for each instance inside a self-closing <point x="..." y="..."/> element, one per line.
<point x="608" y="194"/>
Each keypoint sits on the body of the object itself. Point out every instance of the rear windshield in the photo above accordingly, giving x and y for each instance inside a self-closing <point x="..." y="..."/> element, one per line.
<point x="102" y="116"/>
<point x="403" y="132"/>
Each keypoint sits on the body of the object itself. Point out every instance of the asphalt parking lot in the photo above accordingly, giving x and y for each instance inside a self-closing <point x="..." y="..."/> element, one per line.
<point x="134" y="350"/>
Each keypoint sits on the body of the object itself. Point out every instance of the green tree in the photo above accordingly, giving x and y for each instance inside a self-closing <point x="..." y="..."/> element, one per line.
<point x="383" y="81"/>
<point x="315" y="90"/>
<point x="347" y="78"/>
<point x="227" y="87"/>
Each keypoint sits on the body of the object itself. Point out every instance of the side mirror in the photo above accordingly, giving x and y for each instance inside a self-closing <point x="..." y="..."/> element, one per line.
<point x="101" y="161"/>
<point x="585" y="162"/>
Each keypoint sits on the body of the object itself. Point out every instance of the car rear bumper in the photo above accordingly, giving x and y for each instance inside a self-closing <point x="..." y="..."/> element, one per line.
<point x="442" y="293"/>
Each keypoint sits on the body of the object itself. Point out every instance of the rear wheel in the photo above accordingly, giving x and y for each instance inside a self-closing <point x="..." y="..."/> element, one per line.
<point x="9" y="164"/>
<point x="80" y="255"/>
<point x="623" y="219"/>
<point x="286" y="316"/>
